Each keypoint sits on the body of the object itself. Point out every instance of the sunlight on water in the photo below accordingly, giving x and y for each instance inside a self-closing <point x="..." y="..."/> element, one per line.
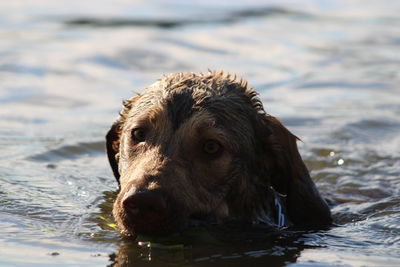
<point x="327" y="69"/>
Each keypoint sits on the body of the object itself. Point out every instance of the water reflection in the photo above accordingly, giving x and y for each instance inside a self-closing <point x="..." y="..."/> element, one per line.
<point x="218" y="18"/>
<point x="208" y="247"/>
<point x="196" y="246"/>
<point x="328" y="69"/>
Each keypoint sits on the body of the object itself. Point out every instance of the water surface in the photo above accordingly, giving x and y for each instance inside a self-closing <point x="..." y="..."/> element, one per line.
<point x="328" y="69"/>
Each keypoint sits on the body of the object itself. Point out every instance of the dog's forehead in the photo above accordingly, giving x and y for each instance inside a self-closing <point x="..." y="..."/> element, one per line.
<point x="180" y="106"/>
<point x="177" y="106"/>
<point x="177" y="97"/>
<point x="177" y="103"/>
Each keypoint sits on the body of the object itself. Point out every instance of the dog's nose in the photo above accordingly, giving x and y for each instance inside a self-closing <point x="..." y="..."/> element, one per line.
<point x="145" y="206"/>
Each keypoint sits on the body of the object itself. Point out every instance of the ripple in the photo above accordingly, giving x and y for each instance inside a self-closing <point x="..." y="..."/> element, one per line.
<point x="221" y="18"/>
<point x="73" y="151"/>
<point x="42" y="99"/>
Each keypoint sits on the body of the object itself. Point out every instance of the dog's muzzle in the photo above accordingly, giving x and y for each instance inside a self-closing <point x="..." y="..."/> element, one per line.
<point x="146" y="210"/>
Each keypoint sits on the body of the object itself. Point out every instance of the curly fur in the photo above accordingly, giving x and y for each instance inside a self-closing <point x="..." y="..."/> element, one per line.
<point x="179" y="114"/>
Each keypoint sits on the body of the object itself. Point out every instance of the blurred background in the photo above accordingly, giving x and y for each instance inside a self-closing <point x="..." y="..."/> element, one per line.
<point x="328" y="69"/>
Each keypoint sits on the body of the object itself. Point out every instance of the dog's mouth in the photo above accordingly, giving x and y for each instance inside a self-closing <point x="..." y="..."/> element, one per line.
<point x="166" y="228"/>
<point x="155" y="222"/>
<point x="169" y="223"/>
<point x="152" y="212"/>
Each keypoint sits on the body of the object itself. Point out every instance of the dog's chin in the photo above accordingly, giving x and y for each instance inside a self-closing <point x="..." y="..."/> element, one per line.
<point x="133" y="230"/>
<point x="200" y="220"/>
<point x="147" y="230"/>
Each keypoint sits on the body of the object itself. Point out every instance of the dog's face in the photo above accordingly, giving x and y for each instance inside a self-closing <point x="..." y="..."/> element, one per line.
<point x="192" y="147"/>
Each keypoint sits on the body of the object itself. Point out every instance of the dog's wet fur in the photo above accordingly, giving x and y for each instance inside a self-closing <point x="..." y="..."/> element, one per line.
<point x="201" y="148"/>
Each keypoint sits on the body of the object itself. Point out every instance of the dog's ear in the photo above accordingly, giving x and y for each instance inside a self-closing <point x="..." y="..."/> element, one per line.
<point x="112" y="147"/>
<point x="290" y="177"/>
<point x="114" y="134"/>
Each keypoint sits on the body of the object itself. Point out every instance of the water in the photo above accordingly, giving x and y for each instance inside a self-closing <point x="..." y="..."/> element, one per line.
<point x="328" y="69"/>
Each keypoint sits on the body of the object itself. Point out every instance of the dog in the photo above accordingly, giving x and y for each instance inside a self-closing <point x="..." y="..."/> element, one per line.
<point x="200" y="149"/>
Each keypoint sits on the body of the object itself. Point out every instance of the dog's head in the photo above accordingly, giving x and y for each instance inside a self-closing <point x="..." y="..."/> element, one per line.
<point x="196" y="146"/>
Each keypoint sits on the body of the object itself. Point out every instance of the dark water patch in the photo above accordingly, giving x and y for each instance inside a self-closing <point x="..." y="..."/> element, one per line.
<point x="127" y="22"/>
<point x="192" y="46"/>
<point x="19" y="119"/>
<point x="69" y="152"/>
<point x="383" y="207"/>
<point x="376" y="125"/>
<point x="267" y="12"/>
<point x="370" y="236"/>
<point x="345" y="84"/>
<point x="200" y="246"/>
<point x="362" y="188"/>
<point x="139" y="59"/>
<point x="300" y="121"/>
<point x="39" y="71"/>
<point x="54" y="101"/>
<point x="8" y="133"/>
<point x="368" y="130"/>
<point x="222" y="18"/>
<point x="107" y="61"/>
<point x="352" y="211"/>
<point x="30" y="97"/>
<point x="143" y="59"/>
<point x="15" y="94"/>
<point x="263" y="87"/>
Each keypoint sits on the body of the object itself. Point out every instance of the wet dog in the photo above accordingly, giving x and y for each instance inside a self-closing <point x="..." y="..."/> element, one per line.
<point x="199" y="148"/>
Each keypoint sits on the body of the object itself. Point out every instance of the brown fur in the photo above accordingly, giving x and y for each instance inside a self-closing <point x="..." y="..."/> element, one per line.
<point x="179" y="115"/>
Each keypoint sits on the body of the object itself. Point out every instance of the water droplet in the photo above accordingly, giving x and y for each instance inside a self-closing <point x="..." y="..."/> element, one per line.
<point x="340" y="162"/>
<point x="332" y="153"/>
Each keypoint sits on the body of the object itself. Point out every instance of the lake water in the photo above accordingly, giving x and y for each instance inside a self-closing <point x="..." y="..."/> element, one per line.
<point x="330" y="70"/>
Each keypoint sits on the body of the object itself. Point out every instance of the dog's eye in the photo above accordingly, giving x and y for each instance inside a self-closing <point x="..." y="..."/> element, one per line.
<point x="139" y="135"/>
<point x="212" y="147"/>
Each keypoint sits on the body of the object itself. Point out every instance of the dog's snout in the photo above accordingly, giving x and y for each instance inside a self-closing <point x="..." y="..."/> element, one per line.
<point x="145" y="206"/>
